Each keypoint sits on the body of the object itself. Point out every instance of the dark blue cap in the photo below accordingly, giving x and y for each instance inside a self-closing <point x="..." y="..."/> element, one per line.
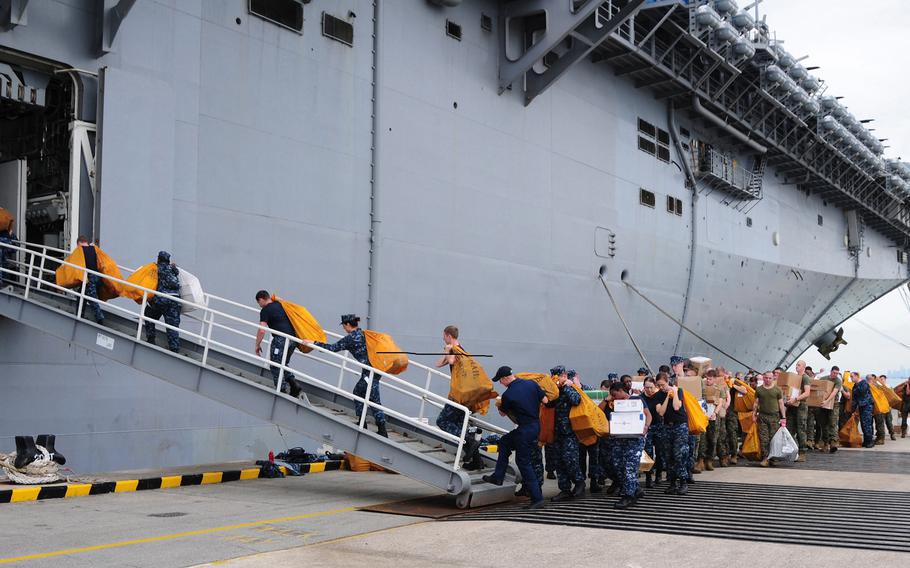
<point x="502" y="373"/>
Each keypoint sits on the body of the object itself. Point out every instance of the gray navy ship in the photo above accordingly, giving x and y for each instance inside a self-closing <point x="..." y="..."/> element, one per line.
<point x="493" y="165"/>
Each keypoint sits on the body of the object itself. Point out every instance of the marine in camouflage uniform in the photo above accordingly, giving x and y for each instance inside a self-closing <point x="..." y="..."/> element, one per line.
<point x="566" y="444"/>
<point x="798" y="418"/>
<point x="163" y="304"/>
<point x="355" y="343"/>
<point x="865" y="406"/>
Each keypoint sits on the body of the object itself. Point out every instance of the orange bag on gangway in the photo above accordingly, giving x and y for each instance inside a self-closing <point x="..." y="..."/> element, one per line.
<point x="752" y="445"/>
<point x="304" y="324"/>
<point x="544" y="381"/>
<point x="471" y="386"/>
<point x="698" y="420"/>
<point x="588" y="421"/>
<point x="849" y="434"/>
<point x="69" y="276"/>
<point x="145" y="276"/>
<point x="384" y="354"/>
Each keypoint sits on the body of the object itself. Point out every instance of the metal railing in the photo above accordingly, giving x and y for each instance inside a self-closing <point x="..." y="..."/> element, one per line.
<point x="36" y="259"/>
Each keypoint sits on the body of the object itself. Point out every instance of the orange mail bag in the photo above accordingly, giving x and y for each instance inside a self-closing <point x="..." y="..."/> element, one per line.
<point x="384" y="354"/>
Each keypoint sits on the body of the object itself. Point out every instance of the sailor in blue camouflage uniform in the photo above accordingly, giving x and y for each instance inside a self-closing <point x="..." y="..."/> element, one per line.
<point x="566" y="443"/>
<point x="355" y="343"/>
<point x="163" y="303"/>
<point x="627" y="453"/>
<point x="864" y="405"/>
<point x="588" y="456"/>
<point x="676" y="434"/>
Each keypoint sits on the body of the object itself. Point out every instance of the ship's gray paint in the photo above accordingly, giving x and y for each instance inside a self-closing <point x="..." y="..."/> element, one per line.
<point x="246" y="150"/>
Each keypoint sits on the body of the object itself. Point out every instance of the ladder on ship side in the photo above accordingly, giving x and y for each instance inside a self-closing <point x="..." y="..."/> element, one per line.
<point x="212" y="364"/>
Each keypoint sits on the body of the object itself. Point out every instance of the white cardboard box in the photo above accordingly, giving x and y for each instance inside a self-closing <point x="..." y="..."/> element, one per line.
<point x="628" y="405"/>
<point x="627" y="424"/>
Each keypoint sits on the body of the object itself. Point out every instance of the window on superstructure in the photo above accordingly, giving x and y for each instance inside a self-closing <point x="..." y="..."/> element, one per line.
<point x="679" y="207"/>
<point x="486" y="23"/>
<point x="646" y="197"/>
<point x="902" y="256"/>
<point x="748" y="221"/>
<point x="653" y="140"/>
<point x="821" y="221"/>
<point x="453" y="30"/>
<point x="674" y="205"/>
<point x="286" y="13"/>
<point x="337" y="29"/>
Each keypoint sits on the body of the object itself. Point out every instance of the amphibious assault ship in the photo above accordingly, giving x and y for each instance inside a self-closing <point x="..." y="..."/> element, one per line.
<point x="494" y="165"/>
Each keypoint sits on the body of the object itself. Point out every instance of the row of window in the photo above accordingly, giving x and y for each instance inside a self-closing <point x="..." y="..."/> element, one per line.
<point x="289" y="14"/>
<point x="648" y="199"/>
<point x="653" y="140"/>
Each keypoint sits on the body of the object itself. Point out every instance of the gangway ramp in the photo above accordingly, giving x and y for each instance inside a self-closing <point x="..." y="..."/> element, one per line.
<point x="212" y="364"/>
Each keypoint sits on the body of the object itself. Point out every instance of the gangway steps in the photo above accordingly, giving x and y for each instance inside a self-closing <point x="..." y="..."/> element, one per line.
<point x="322" y="415"/>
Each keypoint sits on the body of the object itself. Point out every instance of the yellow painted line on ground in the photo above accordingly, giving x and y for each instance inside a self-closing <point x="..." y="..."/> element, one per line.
<point x="317" y="467"/>
<point x="26" y="494"/>
<point x="42" y="555"/>
<point x="252" y="473"/>
<point x="78" y="490"/>
<point x="171" y="481"/>
<point x="126" y="486"/>
<point x="211" y="477"/>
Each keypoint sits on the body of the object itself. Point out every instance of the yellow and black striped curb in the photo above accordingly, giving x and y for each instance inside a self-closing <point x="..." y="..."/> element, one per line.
<point x="166" y="482"/>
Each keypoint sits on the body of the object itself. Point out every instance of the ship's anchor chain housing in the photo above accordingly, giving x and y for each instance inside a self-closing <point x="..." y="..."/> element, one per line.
<point x="829" y="342"/>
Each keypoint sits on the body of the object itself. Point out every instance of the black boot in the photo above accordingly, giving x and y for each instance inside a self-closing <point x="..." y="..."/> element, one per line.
<point x="579" y="489"/>
<point x="596" y="487"/>
<point x="522" y="491"/>
<point x="551" y="475"/>
<point x="683" y="488"/>
<point x="47" y="442"/>
<point x="476" y="462"/>
<point x="672" y="489"/>
<point x="26" y="452"/>
<point x="624" y="502"/>
<point x="491" y="479"/>
<point x="649" y="480"/>
<point x="563" y="496"/>
<point x="471" y="445"/>
<point x="613" y="488"/>
<point x="380" y="429"/>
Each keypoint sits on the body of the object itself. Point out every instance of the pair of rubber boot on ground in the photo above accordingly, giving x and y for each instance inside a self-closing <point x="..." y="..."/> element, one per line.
<point x="27" y="450"/>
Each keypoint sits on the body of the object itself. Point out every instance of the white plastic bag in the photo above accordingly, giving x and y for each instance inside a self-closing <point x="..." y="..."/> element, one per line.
<point x="190" y="291"/>
<point x="783" y="446"/>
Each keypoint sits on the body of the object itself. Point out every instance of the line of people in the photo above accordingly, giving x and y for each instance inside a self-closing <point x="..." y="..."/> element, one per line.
<point x="678" y="454"/>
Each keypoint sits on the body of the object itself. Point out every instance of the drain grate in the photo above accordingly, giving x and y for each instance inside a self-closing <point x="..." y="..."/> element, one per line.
<point x="168" y="515"/>
<point x="861" y="461"/>
<point x="764" y="513"/>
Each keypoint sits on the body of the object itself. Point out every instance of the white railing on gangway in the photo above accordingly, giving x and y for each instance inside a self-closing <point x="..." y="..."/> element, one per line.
<point x="36" y="264"/>
<point x="432" y="376"/>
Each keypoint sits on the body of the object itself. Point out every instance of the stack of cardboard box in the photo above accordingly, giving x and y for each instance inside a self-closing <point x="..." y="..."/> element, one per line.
<point x="790" y="384"/>
<point x="819" y="390"/>
<point x="627" y="419"/>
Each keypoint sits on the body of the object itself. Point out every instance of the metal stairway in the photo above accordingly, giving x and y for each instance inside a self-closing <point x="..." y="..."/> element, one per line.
<point x="211" y="365"/>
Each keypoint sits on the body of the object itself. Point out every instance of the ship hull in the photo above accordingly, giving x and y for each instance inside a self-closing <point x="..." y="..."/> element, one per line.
<point x="266" y="159"/>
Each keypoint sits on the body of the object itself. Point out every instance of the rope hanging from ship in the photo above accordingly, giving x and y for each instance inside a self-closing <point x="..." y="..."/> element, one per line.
<point x="671" y="317"/>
